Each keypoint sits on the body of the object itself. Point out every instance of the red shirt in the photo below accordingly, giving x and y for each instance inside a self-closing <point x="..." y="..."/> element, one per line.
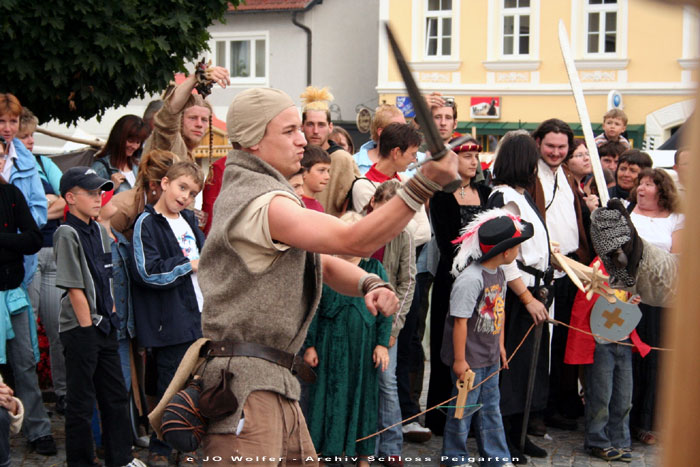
<point x="312" y="203"/>
<point x="211" y="191"/>
<point x="376" y="176"/>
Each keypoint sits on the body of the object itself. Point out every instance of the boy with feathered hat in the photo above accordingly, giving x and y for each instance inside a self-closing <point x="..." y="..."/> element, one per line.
<point x="473" y="337"/>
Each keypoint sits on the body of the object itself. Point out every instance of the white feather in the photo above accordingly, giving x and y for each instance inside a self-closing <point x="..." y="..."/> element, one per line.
<point x="469" y="248"/>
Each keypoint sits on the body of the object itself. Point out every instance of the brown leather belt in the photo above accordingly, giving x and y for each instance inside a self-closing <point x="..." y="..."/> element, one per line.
<point x="293" y="363"/>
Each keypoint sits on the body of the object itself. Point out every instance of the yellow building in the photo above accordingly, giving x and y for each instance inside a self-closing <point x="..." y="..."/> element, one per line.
<point x="503" y="58"/>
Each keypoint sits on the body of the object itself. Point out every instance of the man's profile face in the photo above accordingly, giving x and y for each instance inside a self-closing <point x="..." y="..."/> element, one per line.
<point x="681" y="167"/>
<point x="195" y="122"/>
<point x="283" y="144"/>
<point x="445" y="122"/>
<point x="553" y="148"/>
<point x="317" y="128"/>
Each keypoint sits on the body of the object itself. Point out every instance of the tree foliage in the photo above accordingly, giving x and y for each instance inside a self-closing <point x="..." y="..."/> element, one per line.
<point x="67" y="59"/>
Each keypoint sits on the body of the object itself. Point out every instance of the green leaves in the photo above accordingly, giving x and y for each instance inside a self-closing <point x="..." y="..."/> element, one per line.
<point x="67" y="60"/>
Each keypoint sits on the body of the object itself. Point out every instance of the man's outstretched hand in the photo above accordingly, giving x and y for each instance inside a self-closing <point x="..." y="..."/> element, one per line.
<point x="382" y="300"/>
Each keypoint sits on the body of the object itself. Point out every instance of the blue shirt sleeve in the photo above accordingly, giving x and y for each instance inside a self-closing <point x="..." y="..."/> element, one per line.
<point x="52" y="173"/>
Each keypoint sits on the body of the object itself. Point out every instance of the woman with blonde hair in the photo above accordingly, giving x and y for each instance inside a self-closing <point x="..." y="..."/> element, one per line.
<point x="125" y="207"/>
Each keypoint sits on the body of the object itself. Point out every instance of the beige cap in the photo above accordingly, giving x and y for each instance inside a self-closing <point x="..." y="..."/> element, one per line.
<point x="251" y="111"/>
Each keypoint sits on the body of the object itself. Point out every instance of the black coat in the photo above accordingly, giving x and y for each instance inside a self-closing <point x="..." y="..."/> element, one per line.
<point x="165" y="305"/>
<point x="15" y="216"/>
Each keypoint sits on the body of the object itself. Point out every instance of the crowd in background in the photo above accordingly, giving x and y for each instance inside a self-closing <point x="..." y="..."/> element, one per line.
<point x="370" y="368"/>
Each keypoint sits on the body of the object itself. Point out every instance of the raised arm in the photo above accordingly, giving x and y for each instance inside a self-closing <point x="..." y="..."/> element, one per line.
<point x="182" y="92"/>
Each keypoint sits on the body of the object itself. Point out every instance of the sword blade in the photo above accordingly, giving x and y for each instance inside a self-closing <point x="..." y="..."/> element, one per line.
<point x="423" y="114"/>
<point x="582" y="110"/>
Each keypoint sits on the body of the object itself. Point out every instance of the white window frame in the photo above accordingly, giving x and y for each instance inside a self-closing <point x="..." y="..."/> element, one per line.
<point x="516" y="12"/>
<point x="251" y="36"/>
<point x="440" y="15"/>
<point x="495" y="59"/>
<point x="602" y="10"/>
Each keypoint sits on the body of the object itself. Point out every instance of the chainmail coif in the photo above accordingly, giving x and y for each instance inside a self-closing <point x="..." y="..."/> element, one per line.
<point x="610" y="230"/>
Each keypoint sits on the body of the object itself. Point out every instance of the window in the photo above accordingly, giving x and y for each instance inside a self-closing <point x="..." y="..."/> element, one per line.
<point x="438" y="28"/>
<point x="601" y="28"/>
<point x="516" y="27"/>
<point x="245" y="57"/>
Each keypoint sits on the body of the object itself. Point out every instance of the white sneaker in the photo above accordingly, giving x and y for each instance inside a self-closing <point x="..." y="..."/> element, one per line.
<point x="136" y="463"/>
<point x="415" y="433"/>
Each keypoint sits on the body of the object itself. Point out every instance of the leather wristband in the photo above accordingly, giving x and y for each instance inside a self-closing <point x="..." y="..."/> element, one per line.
<point x="526" y="297"/>
<point x="369" y="282"/>
<point x="418" y="190"/>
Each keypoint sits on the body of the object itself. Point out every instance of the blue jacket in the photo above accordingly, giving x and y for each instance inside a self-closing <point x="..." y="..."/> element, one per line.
<point x="121" y="286"/>
<point x="13" y="302"/>
<point x="25" y="176"/>
<point x="164" y="301"/>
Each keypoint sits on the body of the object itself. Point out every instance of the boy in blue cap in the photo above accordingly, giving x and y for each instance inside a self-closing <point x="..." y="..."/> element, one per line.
<point x="88" y="325"/>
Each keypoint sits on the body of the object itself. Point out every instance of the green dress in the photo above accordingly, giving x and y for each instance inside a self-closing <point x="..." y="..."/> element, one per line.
<point x="344" y="401"/>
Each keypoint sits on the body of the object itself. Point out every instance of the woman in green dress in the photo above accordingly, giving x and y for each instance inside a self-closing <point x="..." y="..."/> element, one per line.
<point x="345" y="344"/>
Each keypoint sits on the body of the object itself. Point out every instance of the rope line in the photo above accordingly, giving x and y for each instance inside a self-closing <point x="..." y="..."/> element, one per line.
<point x="554" y="321"/>
<point x="455" y="397"/>
<point x="443" y="404"/>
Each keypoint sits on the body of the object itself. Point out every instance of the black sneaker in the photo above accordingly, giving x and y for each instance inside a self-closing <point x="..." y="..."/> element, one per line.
<point x="45" y="446"/>
<point x="61" y="405"/>
<point x="532" y="450"/>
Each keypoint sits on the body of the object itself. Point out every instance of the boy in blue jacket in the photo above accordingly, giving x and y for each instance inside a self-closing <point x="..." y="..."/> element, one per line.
<point x="167" y="298"/>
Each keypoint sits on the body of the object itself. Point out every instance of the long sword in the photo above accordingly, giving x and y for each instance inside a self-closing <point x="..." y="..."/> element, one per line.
<point x="583" y="114"/>
<point x="425" y="117"/>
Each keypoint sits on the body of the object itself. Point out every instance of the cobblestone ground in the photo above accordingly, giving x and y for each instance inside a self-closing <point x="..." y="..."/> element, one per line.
<point x="564" y="448"/>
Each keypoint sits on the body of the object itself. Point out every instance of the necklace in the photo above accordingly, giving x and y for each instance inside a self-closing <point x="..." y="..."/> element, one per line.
<point x="461" y="191"/>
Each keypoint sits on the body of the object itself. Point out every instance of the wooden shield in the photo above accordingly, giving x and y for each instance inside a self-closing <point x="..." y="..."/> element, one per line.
<point x="614" y="321"/>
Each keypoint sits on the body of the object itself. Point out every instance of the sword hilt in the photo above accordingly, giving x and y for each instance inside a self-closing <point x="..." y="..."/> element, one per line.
<point x="454" y="184"/>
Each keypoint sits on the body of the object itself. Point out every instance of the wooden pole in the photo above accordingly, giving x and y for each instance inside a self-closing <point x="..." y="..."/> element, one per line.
<point x="94" y="143"/>
<point x="679" y="378"/>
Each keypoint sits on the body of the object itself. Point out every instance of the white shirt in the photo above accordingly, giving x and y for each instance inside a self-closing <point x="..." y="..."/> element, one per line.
<point x="188" y="243"/>
<point x="9" y="162"/>
<point x="130" y="177"/>
<point x="658" y="230"/>
<point x="561" y="213"/>
<point x="533" y="252"/>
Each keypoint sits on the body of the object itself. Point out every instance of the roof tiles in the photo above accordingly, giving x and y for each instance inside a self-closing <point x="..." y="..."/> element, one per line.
<point x="269" y="5"/>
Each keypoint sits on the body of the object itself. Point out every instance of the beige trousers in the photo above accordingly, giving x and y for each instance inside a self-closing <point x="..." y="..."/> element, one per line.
<point x="274" y="433"/>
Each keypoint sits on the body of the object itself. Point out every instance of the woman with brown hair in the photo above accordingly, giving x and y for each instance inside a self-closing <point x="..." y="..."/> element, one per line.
<point x="449" y="213"/>
<point x="654" y="213"/>
<point x="117" y="160"/>
<point x="341" y="136"/>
